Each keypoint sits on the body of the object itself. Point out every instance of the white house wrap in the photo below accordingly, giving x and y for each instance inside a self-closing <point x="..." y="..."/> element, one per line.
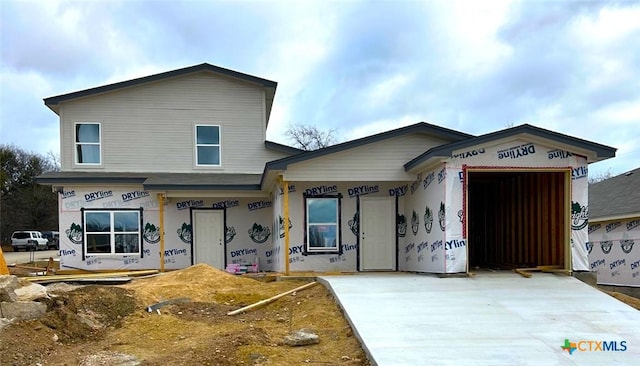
<point x="418" y="198"/>
<point x="612" y="254"/>
<point x="614" y="229"/>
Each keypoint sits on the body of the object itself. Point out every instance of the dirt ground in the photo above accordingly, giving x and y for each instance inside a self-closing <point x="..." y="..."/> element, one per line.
<point x="110" y="325"/>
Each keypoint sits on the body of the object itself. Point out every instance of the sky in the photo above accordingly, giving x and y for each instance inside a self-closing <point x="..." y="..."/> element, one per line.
<point x="357" y="67"/>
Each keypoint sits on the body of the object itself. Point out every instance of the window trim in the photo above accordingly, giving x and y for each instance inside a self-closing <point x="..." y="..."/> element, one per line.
<point x="308" y="250"/>
<point x="76" y="143"/>
<point x="196" y="145"/>
<point x="112" y="233"/>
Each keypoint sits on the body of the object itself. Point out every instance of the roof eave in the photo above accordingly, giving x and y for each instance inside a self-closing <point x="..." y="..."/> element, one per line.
<point x="417" y="165"/>
<point x="620" y="216"/>
<point x="48" y="181"/>
<point x="201" y="187"/>
<point x="282" y="148"/>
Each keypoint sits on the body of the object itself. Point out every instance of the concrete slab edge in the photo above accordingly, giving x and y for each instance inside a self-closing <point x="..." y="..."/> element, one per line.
<point x="367" y="351"/>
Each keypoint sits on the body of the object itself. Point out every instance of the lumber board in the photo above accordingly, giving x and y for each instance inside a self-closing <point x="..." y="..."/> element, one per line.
<point x="271" y="299"/>
<point x="523" y="272"/>
<point x="61" y="278"/>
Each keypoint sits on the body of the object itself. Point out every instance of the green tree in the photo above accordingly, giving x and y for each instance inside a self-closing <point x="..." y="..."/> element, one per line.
<point x="24" y="204"/>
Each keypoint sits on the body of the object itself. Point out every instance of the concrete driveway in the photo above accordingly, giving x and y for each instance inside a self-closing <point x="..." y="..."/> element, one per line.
<point x="495" y="318"/>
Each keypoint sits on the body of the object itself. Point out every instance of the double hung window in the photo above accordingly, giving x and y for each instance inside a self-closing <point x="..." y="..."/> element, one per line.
<point x="322" y="224"/>
<point x="87" y="143"/>
<point x="208" y="149"/>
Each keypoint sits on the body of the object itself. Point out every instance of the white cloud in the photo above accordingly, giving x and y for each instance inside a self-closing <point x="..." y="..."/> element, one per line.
<point x="360" y="67"/>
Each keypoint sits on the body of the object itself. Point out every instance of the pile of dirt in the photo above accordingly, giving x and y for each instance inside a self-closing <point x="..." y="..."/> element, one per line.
<point x="199" y="282"/>
<point x="76" y="316"/>
<point x="92" y="325"/>
<point x="85" y="313"/>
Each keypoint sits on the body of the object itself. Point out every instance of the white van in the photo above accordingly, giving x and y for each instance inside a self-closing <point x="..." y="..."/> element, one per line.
<point x="31" y="240"/>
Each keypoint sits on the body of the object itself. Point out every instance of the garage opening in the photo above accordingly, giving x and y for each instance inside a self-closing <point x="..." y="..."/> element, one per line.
<point x="516" y="219"/>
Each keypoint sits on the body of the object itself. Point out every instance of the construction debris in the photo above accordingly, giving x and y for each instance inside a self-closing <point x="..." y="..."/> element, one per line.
<point x="271" y="299"/>
<point x="11" y="306"/>
<point x="525" y="272"/>
<point x="58" y="278"/>
<point x="180" y="300"/>
<point x="8" y="285"/>
<point x="301" y="337"/>
<point x="22" y="310"/>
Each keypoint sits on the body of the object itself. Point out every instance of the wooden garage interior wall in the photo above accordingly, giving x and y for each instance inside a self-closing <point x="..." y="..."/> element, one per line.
<point x="516" y="219"/>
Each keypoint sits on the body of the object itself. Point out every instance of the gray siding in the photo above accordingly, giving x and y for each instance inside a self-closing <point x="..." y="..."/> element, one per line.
<point x="150" y="128"/>
<point x="381" y="161"/>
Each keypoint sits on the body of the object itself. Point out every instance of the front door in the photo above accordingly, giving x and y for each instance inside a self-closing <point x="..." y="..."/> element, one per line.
<point x="208" y="238"/>
<point x="377" y="234"/>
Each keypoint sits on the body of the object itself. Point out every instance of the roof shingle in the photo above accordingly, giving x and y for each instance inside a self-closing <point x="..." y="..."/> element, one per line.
<point x="615" y="197"/>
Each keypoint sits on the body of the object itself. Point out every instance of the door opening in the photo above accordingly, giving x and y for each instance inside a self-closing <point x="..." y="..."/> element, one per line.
<point x="517" y="219"/>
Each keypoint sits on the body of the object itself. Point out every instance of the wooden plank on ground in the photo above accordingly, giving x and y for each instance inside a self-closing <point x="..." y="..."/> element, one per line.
<point x="266" y="301"/>
<point x="61" y="278"/>
<point x="523" y="272"/>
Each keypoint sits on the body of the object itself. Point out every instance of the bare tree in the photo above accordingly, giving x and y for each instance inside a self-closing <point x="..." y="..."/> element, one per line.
<point x="600" y="176"/>
<point x="310" y="137"/>
<point x="54" y="161"/>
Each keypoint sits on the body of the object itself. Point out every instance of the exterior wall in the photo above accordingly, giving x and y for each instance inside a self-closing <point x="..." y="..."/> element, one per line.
<point x="248" y="228"/>
<point x="245" y="217"/>
<point x="424" y="243"/>
<point x="347" y="262"/>
<point x="382" y="161"/>
<point x="611" y="251"/>
<point x="150" y="128"/>
<point x="512" y="154"/>
<point x="523" y="154"/>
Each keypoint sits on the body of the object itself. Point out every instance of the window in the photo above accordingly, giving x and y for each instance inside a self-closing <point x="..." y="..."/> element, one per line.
<point x="88" y="143"/>
<point x="208" y="145"/>
<point x="322" y="234"/>
<point x="112" y="232"/>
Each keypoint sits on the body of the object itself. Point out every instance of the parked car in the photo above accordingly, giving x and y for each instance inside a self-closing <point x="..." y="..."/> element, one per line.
<point x="53" y="239"/>
<point x="28" y="240"/>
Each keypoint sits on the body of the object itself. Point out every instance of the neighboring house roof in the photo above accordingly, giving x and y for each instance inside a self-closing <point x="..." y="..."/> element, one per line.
<point x="158" y="181"/>
<point x="421" y="127"/>
<point x="269" y="86"/>
<point x="599" y="152"/>
<point x="615" y="198"/>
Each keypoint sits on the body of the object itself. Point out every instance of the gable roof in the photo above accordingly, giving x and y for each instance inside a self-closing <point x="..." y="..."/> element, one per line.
<point x="421" y="127"/>
<point x="599" y="151"/>
<point x="269" y="86"/>
<point x="616" y="197"/>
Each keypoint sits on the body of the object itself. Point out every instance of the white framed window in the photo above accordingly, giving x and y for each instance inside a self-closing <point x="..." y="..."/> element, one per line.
<point x="322" y="224"/>
<point x="112" y="232"/>
<point x="88" y="139"/>
<point x="208" y="147"/>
